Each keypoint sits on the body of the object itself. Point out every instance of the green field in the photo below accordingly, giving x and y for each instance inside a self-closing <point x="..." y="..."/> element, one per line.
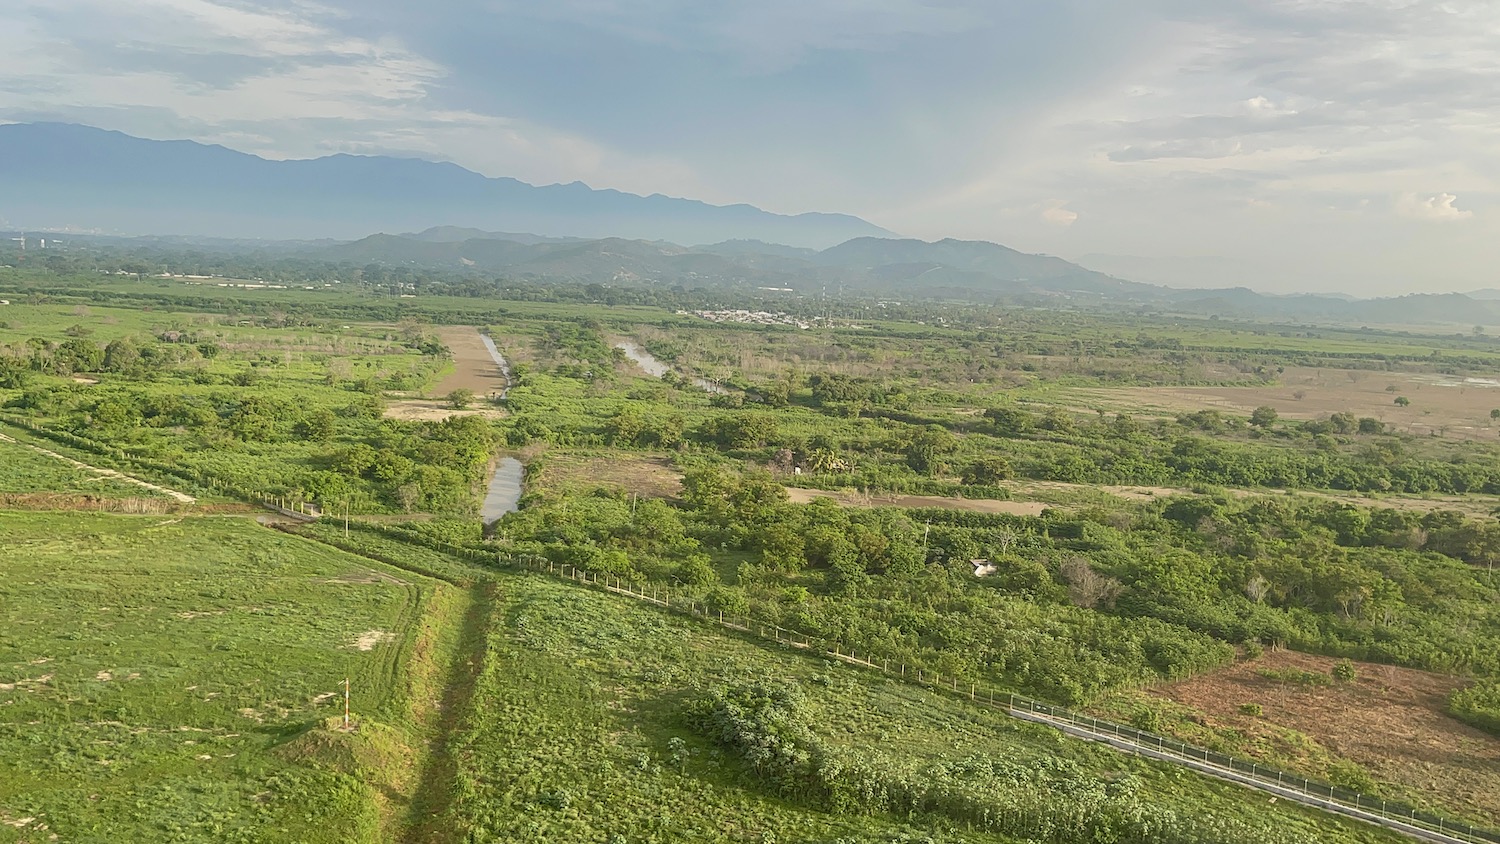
<point x="172" y="678"/>
<point x="151" y="668"/>
<point x="23" y="471"/>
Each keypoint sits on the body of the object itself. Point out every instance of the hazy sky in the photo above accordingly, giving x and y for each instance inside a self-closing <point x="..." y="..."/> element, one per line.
<point x="1309" y="144"/>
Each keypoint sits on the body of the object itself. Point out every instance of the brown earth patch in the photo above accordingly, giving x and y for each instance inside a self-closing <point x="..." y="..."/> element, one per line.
<point x="800" y="495"/>
<point x="474" y="369"/>
<point x="650" y="477"/>
<point x="425" y="410"/>
<point x="1454" y="406"/>
<point x="1392" y="721"/>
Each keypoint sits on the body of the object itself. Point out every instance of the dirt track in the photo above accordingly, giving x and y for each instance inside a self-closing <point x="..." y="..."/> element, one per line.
<point x="474" y="368"/>
<point x="105" y="473"/>
<point x="973" y="505"/>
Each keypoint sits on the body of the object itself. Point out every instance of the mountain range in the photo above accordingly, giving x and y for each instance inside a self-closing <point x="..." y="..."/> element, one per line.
<point x="948" y="268"/>
<point x="69" y="177"/>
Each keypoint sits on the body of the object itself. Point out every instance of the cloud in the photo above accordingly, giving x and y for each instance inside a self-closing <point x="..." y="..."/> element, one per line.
<point x="283" y="80"/>
<point x="1439" y="208"/>
<point x="1056" y="214"/>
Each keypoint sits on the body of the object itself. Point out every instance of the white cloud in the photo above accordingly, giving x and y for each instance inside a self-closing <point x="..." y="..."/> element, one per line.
<point x="1439" y="208"/>
<point x="280" y="81"/>
<point x="1057" y="214"/>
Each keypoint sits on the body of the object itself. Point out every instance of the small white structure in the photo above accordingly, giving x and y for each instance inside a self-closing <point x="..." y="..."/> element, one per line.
<point x="983" y="568"/>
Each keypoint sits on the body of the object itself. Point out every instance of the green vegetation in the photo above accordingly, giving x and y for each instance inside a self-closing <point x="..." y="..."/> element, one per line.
<point x="162" y="677"/>
<point x="510" y="707"/>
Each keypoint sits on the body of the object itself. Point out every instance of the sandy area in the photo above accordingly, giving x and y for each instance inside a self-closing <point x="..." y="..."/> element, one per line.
<point x="972" y="505"/>
<point x="474" y="368"/>
<point x="428" y="410"/>
<point x="652" y="477"/>
<point x="367" y="640"/>
<point x="1390" y="720"/>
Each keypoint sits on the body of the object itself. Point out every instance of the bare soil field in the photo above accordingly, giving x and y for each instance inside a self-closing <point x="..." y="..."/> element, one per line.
<point x="1390" y="720"/>
<point x="650" y="477"/>
<point x="474" y="368"/>
<point x="428" y="410"/>
<point x="1445" y="405"/>
<point x="973" y="505"/>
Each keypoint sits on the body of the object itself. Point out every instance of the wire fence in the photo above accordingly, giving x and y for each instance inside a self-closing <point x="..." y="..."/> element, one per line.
<point x="1395" y="815"/>
<point x="1392" y="814"/>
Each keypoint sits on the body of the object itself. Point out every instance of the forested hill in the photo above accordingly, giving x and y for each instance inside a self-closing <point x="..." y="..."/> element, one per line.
<point x="77" y="177"/>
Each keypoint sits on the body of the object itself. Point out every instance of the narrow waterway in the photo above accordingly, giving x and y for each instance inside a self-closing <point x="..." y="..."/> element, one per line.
<point x="656" y="369"/>
<point x="499" y="361"/>
<point x="504" y="495"/>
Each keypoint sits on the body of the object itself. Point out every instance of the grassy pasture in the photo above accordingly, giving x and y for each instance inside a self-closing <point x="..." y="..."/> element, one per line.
<point x="23" y="470"/>
<point x="150" y="667"/>
<point x="577" y="734"/>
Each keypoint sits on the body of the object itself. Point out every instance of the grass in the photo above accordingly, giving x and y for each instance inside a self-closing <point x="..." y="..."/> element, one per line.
<point x="577" y="733"/>
<point x="24" y="471"/>
<point x="159" y="678"/>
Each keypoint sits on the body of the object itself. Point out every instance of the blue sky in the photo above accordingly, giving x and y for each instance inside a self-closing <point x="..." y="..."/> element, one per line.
<point x="1292" y="144"/>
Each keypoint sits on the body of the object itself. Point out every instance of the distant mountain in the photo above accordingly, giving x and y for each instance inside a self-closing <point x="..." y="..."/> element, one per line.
<point x="972" y="264"/>
<point x="1176" y="271"/>
<point x="64" y="176"/>
<point x="1488" y="294"/>
<point x="946" y="269"/>
<point x="459" y="234"/>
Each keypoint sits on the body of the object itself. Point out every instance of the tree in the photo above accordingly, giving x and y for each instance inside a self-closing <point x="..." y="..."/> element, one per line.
<point x="461" y="398"/>
<point x="1264" y="416"/>
<point x="1403" y="401"/>
<point x="1344" y="671"/>
<point x="697" y="570"/>
<point x="1009" y="421"/>
<point x="1088" y="588"/>
<point x="120" y="356"/>
<point x="1495" y="414"/>
<point x="318" y="426"/>
<point x="987" y="471"/>
<point x="930" y="448"/>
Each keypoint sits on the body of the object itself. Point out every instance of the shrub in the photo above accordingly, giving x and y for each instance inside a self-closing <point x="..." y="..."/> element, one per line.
<point x="1344" y="671"/>
<point x="1254" y="710"/>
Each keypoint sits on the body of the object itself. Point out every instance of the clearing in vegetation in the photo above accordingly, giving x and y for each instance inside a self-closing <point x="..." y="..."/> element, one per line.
<point x="474" y="369"/>
<point x="1440" y="405"/>
<point x="1392" y="721"/>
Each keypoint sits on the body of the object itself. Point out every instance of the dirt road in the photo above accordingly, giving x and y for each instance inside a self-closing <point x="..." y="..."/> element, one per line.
<point x="474" y="369"/>
<point x="973" y="505"/>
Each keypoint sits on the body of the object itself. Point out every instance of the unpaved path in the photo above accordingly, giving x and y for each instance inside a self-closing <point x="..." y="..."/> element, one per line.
<point x="104" y="473"/>
<point x="800" y="495"/>
<point x="474" y="368"/>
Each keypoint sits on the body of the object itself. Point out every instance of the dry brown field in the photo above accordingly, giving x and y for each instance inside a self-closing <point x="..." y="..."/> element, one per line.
<point x="1391" y="721"/>
<point x="1444" y="405"/>
<point x="474" y="369"/>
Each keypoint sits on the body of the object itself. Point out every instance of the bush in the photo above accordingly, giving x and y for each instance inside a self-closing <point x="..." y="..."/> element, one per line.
<point x="1254" y="710"/>
<point x="1344" y="671"/>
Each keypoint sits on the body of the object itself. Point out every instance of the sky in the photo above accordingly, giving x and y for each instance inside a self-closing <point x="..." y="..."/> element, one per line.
<point x="1291" y="145"/>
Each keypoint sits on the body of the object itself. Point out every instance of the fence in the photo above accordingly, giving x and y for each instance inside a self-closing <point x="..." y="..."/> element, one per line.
<point x="1393" y="815"/>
